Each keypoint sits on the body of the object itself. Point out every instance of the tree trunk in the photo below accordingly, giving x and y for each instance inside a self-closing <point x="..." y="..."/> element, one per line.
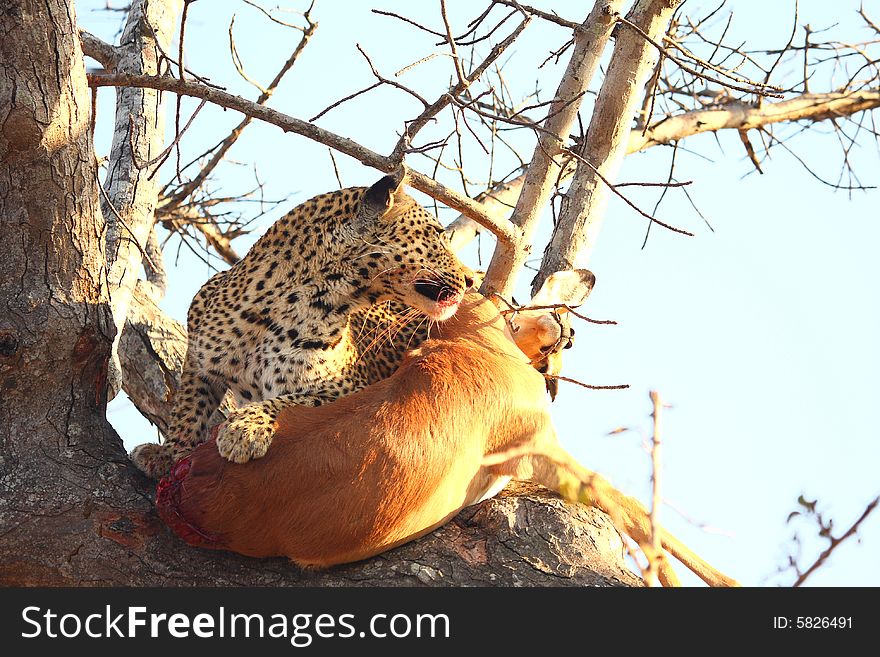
<point x="57" y="452"/>
<point x="543" y="171"/>
<point x="130" y="195"/>
<point x="73" y="510"/>
<point x="584" y="204"/>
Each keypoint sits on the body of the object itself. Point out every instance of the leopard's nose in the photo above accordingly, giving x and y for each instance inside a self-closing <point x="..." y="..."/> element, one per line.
<point x="446" y="294"/>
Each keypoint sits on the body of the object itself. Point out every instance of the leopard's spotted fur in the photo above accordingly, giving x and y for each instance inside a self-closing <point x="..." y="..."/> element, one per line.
<point x="293" y="320"/>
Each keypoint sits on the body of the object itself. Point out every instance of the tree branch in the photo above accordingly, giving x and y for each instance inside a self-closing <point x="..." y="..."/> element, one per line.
<point x="437" y="106"/>
<point x="503" y="229"/>
<point x="733" y="115"/>
<point x="188" y="188"/>
<point x="737" y="115"/>
<point x="104" y="53"/>
<point x="543" y="171"/>
<point x="585" y="202"/>
<point x="130" y="193"/>
<point x="836" y="541"/>
<point x="177" y="218"/>
<point x="154" y="267"/>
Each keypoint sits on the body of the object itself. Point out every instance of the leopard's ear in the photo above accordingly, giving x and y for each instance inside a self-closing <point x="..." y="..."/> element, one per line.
<point x="379" y="198"/>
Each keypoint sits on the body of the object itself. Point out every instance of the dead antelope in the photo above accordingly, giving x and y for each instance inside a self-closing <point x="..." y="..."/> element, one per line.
<point x="463" y="414"/>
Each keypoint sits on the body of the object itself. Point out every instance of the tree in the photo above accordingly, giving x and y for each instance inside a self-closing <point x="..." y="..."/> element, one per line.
<point x="79" y="324"/>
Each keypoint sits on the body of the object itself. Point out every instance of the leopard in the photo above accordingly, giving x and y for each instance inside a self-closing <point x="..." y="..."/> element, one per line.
<point x="291" y="322"/>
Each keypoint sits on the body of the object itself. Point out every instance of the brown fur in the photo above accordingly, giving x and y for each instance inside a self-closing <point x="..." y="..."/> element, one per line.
<point x="389" y="463"/>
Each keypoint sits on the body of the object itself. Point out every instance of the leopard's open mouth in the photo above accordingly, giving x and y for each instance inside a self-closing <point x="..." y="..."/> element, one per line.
<point x="445" y="299"/>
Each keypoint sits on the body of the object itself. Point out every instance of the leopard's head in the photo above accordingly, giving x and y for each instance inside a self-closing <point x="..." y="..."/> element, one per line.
<point x="406" y="253"/>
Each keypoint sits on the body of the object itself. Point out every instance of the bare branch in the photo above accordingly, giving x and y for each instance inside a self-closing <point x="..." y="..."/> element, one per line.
<point x="656" y="552"/>
<point x="503" y="230"/>
<point x="154" y="266"/>
<point x="553" y="18"/>
<point x="272" y="18"/>
<point x="224" y="146"/>
<point x="177" y="218"/>
<point x="422" y="120"/>
<point x="759" y="88"/>
<point x="463" y="81"/>
<point x="732" y="115"/>
<point x="130" y="193"/>
<point x="239" y="65"/>
<point x="750" y="150"/>
<point x="543" y="170"/>
<point x="613" y="188"/>
<point x="867" y="20"/>
<point x="589" y="386"/>
<point x="101" y="51"/>
<point x="584" y="204"/>
<point x="380" y="81"/>
<point x="742" y="116"/>
<point x="835" y="542"/>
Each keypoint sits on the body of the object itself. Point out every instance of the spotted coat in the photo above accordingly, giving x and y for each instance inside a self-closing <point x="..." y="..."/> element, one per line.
<point x="301" y="319"/>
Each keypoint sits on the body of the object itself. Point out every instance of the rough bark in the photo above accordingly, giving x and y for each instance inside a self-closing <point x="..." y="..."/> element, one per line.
<point x="152" y="350"/>
<point x="130" y="191"/>
<point x="73" y="510"/>
<point x="584" y="204"/>
<point x="57" y="452"/>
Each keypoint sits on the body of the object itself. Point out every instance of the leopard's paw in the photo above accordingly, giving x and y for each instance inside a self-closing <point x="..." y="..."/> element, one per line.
<point x="247" y="434"/>
<point x="153" y="459"/>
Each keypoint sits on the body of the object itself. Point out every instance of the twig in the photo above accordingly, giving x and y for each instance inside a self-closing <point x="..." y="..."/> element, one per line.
<point x="236" y="60"/>
<point x="132" y="237"/>
<point x="160" y="159"/>
<point x="835" y="542"/>
<point x="663" y="193"/>
<point x="459" y="71"/>
<point x="656" y="552"/>
<point x="513" y="308"/>
<point x="380" y="81"/>
<point x="278" y="20"/>
<point x="553" y="18"/>
<point x="750" y="150"/>
<point x="223" y="147"/>
<point x="622" y="386"/>
<point x="759" y="88"/>
<point x="413" y="127"/>
<point x="614" y="189"/>
<point x="335" y="168"/>
<point x="502" y="228"/>
<point x="787" y="45"/>
<point x="408" y="20"/>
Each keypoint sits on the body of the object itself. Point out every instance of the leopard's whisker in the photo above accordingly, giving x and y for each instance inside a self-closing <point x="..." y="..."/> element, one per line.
<point x="385" y="332"/>
<point x="385" y="271"/>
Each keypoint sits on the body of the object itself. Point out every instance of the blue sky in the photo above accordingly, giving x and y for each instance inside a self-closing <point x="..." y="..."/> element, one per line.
<point x="762" y="334"/>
